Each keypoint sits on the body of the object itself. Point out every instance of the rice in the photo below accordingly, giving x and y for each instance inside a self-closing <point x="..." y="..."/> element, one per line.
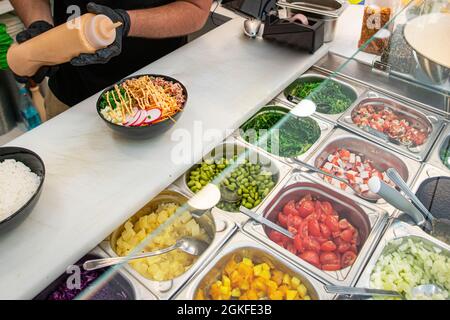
<point x="17" y="185"/>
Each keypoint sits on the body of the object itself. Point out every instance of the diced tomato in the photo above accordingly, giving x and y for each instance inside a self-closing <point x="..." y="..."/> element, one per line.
<point x="291" y="248"/>
<point x="328" y="258"/>
<point x="354" y="248"/>
<point x="289" y="208"/>
<point x="328" y="246"/>
<point x="294" y="221"/>
<point x="344" y="224"/>
<point x="348" y="258"/>
<point x="326" y="233"/>
<point x="311" y="257"/>
<point x="298" y="243"/>
<point x="306" y="208"/>
<point x="343" y="247"/>
<point x="283" y="219"/>
<point x="332" y="223"/>
<point x="292" y="230"/>
<point x="327" y="208"/>
<point x="347" y="235"/>
<point x="331" y="267"/>
<point x="276" y="236"/>
<point x="311" y="244"/>
<point x="303" y="229"/>
<point x="314" y="228"/>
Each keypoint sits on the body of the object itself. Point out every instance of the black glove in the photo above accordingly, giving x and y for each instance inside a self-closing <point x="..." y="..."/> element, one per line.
<point x="102" y="56"/>
<point x="35" y="29"/>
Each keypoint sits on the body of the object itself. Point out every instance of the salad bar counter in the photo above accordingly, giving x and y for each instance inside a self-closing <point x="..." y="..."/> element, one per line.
<point x="306" y="201"/>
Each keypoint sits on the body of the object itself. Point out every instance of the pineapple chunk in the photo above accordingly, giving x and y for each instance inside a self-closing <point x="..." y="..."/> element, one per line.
<point x="291" y="294"/>
<point x="301" y="290"/>
<point x="295" y="282"/>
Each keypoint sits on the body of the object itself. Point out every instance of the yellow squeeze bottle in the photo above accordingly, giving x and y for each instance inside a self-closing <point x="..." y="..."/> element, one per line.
<point x="62" y="43"/>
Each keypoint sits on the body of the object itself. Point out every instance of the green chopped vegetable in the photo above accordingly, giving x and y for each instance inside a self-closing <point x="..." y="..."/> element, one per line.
<point x="113" y="97"/>
<point x="328" y="95"/>
<point x="290" y="138"/>
<point x="411" y="263"/>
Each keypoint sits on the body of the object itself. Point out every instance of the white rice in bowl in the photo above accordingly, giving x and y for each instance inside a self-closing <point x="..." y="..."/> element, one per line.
<point x="17" y="185"/>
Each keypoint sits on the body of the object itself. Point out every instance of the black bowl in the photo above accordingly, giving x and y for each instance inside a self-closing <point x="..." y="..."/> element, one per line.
<point x="147" y="131"/>
<point x="35" y="163"/>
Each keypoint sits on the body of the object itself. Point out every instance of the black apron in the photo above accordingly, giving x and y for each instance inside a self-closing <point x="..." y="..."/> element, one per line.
<point x="74" y="84"/>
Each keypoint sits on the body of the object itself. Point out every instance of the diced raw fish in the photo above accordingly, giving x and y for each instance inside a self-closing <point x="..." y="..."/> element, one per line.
<point x="365" y="174"/>
<point x="328" y="166"/>
<point x="352" y="158"/>
<point x="364" y="187"/>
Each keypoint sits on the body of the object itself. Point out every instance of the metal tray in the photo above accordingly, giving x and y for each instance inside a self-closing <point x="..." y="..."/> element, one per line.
<point x="381" y="157"/>
<point x="229" y="148"/>
<point x="369" y="220"/>
<point x="325" y="127"/>
<point x="326" y="8"/>
<point x="434" y="156"/>
<point x="432" y="122"/>
<point x="241" y="244"/>
<point x="397" y="230"/>
<point x="219" y="227"/>
<point x="352" y="90"/>
<point x="138" y="291"/>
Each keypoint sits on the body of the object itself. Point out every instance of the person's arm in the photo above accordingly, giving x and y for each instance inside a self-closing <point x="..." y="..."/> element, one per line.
<point x="179" y="18"/>
<point x="30" y="11"/>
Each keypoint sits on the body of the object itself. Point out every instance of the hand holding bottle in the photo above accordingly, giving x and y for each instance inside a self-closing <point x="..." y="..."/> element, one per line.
<point x="35" y="29"/>
<point x="104" y="55"/>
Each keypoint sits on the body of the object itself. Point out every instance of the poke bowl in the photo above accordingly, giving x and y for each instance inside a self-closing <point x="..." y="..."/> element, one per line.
<point x="29" y="166"/>
<point x="142" y="106"/>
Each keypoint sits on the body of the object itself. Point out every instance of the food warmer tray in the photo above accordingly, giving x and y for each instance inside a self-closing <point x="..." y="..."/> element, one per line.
<point x="352" y="89"/>
<point x="280" y="170"/>
<point x="443" y="141"/>
<point x="138" y="291"/>
<point x="414" y="113"/>
<point x="397" y="230"/>
<point x="326" y="128"/>
<point x="380" y="156"/>
<point x="370" y="218"/>
<point x="164" y="290"/>
<point x="240" y="242"/>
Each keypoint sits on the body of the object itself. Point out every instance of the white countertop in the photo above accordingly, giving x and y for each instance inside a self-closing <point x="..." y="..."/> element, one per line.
<point x="96" y="180"/>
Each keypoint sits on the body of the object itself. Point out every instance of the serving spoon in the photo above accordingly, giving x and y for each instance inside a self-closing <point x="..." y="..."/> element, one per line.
<point x="189" y="245"/>
<point x="439" y="228"/>
<point x="427" y="290"/>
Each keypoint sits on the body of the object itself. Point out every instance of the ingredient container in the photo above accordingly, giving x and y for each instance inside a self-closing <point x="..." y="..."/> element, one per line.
<point x="367" y="219"/>
<point x="374" y="37"/>
<point x="331" y="95"/>
<point x="241" y="245"/>
<point x="432" y="187"/>
<point x="380" y="158"/>
<point x="218" y="229"/>
<point x="440" y="154"/>
<point x="295" y="34"/>
<point x="327" y="10"/>
<point x="121" y="286"/>
<point x="254" y="187"/>
<point x="408" y="130"/>
<point x="292" y="137"/>
<point x="395" y="236"/>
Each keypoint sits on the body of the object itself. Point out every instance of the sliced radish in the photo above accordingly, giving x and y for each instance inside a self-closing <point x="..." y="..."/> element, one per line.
<point x="132" y="119"/>
<point x="153" y="115"/>
<point x="140" y="121"/>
